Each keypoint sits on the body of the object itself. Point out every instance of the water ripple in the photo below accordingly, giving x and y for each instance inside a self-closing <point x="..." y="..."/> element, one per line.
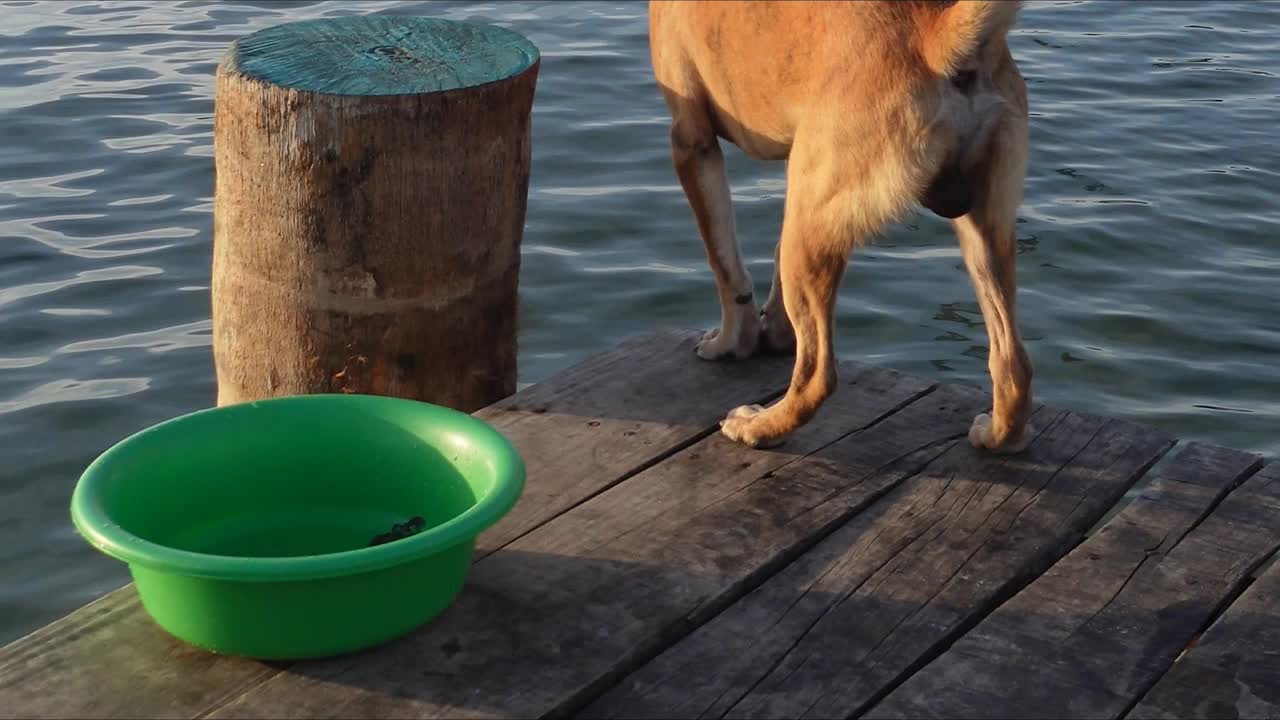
<point x="63" y="391"/>
<point x="180" y="337"/>
<point x="30" y="290"/>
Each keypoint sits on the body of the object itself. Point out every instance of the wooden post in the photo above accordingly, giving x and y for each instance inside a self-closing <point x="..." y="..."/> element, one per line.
<point x="372" y="178"/>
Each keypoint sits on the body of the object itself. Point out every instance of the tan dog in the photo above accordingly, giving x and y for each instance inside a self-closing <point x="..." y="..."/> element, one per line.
<point x="876" y="106"/>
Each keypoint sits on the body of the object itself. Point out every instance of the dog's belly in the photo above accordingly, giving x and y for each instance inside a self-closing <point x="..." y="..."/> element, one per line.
<point x="752" y="78"/>
<point x="756" y="144"/>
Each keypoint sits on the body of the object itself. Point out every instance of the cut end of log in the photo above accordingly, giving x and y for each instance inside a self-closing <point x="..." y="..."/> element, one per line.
<point x="375" y="55"/>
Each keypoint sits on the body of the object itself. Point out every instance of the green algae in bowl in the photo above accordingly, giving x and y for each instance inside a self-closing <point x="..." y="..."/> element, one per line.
<point x="299" y="527"/>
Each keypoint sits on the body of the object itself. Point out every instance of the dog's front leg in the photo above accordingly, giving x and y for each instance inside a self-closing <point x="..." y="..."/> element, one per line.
<point x="700" y="166"/>
<point x="988" y="242"/>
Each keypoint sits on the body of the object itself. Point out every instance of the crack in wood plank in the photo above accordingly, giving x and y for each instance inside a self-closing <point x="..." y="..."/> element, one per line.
<point x="1230" y="666"/>
<point x="625" y="602"/>
<point x="758" y="639"/>
<point x="808" y="453"/>
<point x="1091" y="634"/>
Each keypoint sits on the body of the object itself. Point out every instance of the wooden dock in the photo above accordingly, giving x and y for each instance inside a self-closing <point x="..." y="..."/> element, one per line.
<point x="874" y="566"/>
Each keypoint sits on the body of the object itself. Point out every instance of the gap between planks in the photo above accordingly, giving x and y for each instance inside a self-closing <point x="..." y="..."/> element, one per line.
<point x="623" y="575"/>
<point x="711" y="609"/>
<point x="1090" y="635"/>
<point x="798" y="470"/>
<point x="1231" y="667"/>
<point x="844" y="624"/>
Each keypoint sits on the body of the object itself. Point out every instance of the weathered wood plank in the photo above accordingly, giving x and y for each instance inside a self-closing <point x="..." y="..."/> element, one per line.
<point x="108" y="659"/>
<point x="579" y="432"/>
<point x="561" y="613"/>
<point x="839" y="627"/>
<point x="1234" y="670"/>
<point x="591" y="426"/>
<point x="1088" y="637"/>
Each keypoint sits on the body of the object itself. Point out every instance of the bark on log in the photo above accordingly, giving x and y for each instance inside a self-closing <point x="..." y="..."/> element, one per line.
<point x="372" y="178"/>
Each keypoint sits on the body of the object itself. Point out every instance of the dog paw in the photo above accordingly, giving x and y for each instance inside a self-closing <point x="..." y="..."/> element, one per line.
<point x="776" y="333"/>
<point x="743" y="425"/>
<point x="716" y="344"/>
<point x="982" y="437"/>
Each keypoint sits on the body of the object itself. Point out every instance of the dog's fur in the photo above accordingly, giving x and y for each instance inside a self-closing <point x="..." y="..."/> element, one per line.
<point x="876" y="106"/>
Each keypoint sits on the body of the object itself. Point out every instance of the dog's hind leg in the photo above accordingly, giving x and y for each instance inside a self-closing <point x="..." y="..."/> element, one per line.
<point x="811" y="269"/>
<point x="775" y="327"/>
<point x="699" y="164"/>
<point x="988" y="241"/>
<point x="829" y="208"/>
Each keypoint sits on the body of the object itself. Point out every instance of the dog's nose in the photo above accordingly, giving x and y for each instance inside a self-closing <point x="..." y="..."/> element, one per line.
<point x="963" y="80"/>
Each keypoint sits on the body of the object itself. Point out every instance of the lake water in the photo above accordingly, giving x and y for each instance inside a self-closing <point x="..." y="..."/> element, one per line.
<point x="1148" y="267"/>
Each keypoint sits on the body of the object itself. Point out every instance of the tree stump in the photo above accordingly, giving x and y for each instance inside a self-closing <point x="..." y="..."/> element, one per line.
<point x="372" y="179"/>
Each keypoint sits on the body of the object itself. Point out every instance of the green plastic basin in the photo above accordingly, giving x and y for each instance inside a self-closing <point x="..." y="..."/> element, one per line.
<point x="248" y="528"/>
